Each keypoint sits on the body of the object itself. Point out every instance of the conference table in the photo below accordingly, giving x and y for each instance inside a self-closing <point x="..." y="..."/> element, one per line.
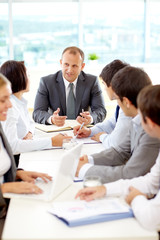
<point x="30" y="220"/>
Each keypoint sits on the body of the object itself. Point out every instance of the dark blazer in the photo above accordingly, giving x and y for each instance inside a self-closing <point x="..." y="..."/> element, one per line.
<point x="10" y="175"/>
<point x="51" y="95"/>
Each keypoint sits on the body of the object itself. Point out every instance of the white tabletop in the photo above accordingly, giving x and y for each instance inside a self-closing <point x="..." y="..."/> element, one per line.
<point x="30" y="220"/>
<point x="33" y="221"/>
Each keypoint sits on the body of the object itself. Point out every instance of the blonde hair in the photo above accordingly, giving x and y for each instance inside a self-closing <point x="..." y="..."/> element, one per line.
<point x="3" y="80"/>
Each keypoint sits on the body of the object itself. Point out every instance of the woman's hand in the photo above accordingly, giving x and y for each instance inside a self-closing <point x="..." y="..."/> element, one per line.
<point x="29" y="136"/>
<point x="28" y="176"/>
<point x="20" y="187"/>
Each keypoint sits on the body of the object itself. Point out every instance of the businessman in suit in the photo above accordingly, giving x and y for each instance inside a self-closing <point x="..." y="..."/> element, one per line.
<point x="69" y="92"/>
<point x="137" y="151"/>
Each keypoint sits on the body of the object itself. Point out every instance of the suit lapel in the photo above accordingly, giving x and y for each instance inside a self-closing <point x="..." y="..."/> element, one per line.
<point x="79" y="92"/>
<point x="62" y="93"/>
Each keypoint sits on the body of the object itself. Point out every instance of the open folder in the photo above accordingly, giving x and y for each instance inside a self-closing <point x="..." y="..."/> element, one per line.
<point x="76" y="213"/>
<point x="69" y="124"/>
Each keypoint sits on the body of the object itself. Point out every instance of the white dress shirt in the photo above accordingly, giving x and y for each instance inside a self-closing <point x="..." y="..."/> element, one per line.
<point x="67" y="88"/>
<point x="18" y="124"/>
<point x="114" y="130"/>
<point x="5" y="161"/>
<point x="146" y="211"/>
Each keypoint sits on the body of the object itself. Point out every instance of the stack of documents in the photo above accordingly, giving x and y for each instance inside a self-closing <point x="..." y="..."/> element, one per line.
<point x="76" y="213"/>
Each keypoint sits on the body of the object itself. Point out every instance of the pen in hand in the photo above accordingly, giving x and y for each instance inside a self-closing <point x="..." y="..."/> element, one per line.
<point x="80" y="129"/>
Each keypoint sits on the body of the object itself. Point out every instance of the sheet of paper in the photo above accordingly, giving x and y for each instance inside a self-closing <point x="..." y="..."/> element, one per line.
<point x="75" y="210"/>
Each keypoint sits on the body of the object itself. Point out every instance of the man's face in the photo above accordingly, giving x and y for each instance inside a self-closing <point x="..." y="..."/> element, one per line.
<point x="151" y="128"/>
<point x="125" y="105"/>
<point x="71" y="65"/>
<point x="108" y="90"/>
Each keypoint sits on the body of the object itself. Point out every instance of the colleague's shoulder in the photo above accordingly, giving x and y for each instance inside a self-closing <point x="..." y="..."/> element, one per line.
<point x="51" y="77"/>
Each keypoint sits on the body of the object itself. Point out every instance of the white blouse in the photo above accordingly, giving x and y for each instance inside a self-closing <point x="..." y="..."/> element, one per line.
<point x="146" y="211"/>
<point x="18" y="124"/>
<point x="5" y="161"/>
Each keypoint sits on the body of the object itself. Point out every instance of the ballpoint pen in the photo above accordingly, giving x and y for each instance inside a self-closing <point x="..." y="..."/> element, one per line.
<point x="79" y="129"/>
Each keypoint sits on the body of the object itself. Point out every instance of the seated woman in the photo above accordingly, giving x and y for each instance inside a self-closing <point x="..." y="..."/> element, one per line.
<point x="18" y="127"/>
<point x="8" y="173"/>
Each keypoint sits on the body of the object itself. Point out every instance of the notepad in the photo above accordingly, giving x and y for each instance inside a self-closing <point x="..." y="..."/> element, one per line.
<point x="69" y="124"/>
<point x="76" y="213"/>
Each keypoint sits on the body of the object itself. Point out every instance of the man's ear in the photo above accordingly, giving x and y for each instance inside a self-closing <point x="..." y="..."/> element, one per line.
<point x="61" y="61"/>
<point x="150" y="123"/>
<point x="83" y="65"/>
<point x="127" y="102"/>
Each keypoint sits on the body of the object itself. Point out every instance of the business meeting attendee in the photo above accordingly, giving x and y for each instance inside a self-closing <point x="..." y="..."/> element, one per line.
<point x="137" y="151"/>
<point x="8" y="173"/>
<point x="139" y="191"/>
<point x="111" y="131"/>
<point x="18" y="126"/>
<point x="69" y="92"/>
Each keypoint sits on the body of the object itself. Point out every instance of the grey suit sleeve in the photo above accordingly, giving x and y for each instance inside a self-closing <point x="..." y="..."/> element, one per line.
<point x="97" y="105"/>
<point x="41" y="105"/>
<point x="140" y="162"/>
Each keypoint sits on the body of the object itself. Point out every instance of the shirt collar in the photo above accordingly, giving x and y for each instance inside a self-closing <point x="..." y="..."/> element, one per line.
<point x="66" y="83"/>
<point x="20" y="101"/>
<point x="136" y="121"/>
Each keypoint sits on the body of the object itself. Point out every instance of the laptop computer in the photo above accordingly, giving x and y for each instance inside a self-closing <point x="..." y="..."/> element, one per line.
<point x="64" y="172"/>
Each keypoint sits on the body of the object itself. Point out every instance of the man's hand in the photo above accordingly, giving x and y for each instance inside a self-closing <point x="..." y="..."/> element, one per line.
<point x="96" y="137"/>
<point x="133" y="192"/>
<point x="83" y="160"/>
<point x="58" y="120"/>
<point x="82" y="133"/>
<point x="91" y="193"/>
<point x="28" y="176"/>
<point x="85" y="117"/>
<point x="57" y="140"/>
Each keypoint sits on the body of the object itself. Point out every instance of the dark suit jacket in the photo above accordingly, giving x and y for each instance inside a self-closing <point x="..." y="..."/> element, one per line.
<point x="51" y="95"/>
<point x="10" y="175"/>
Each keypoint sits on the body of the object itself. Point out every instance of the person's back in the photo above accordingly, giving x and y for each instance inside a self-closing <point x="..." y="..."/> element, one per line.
<point x="110" y="131"/>
<point x="136" y="148"/>
<point x="142" y="193"/>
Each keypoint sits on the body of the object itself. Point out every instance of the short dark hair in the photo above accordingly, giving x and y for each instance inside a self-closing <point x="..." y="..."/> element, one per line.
<point x="74" y="50"/>
<point x="110" y="69"/>
<point x="149" y="103"/>
<point x="128" y="82"/>
<point x="15" y="72"/>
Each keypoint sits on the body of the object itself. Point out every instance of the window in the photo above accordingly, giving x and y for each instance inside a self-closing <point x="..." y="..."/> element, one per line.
<point x="114" y="29"/>
<point x="4" y="33"/>
<point x="41" y="35"/>
<point x="105" y="27"/>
